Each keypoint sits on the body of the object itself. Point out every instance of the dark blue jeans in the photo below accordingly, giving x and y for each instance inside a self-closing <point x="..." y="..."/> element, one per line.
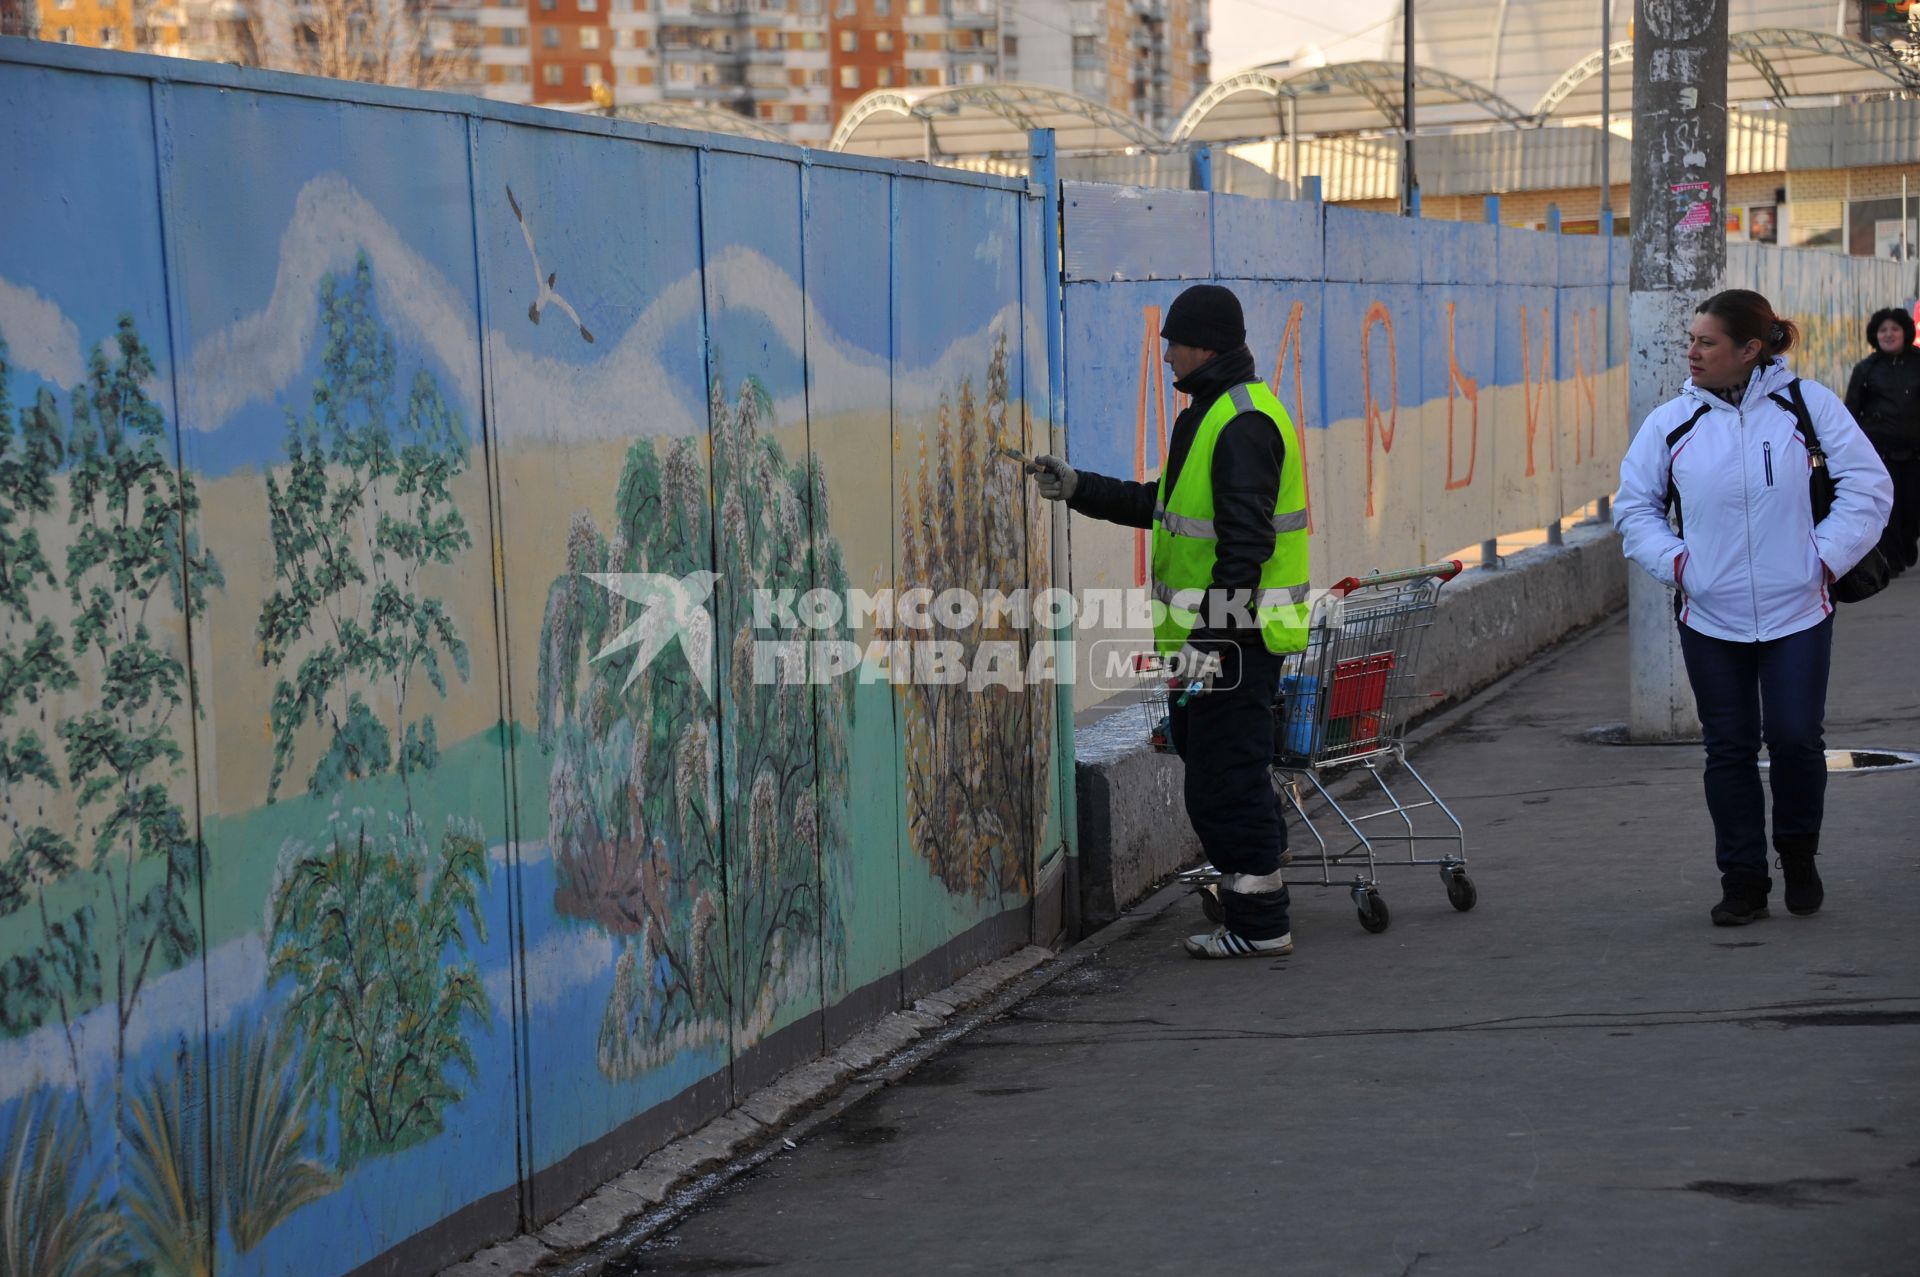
<point x="1748" y="693"/>
<point x="1225" y="739"/>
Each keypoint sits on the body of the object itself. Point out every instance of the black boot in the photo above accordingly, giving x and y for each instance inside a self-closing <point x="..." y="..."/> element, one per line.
<point x="1804" y="892"/>
<point x="1742" y="900"/>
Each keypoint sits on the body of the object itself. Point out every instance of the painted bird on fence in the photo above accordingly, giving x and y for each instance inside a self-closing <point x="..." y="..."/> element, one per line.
<point x="543" y="280"/>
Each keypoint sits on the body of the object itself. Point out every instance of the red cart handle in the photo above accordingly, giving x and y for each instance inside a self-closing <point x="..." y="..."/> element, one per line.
<point x="1445" y="570"/>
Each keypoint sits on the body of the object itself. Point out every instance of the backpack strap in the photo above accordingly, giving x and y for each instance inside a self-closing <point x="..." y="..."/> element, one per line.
<point x="1796" y="403"/>
<point x="1674" y="436"/>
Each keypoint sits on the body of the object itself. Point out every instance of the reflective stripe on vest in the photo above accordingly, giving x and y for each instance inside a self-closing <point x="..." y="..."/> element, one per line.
<point x="1184" y="537"/>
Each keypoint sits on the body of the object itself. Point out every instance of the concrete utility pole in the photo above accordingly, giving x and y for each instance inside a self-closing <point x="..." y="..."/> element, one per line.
<point x="1679" y="257"/>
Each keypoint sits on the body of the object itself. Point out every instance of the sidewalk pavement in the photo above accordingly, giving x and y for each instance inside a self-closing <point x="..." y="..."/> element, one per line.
<point x="1579" y="1076"/>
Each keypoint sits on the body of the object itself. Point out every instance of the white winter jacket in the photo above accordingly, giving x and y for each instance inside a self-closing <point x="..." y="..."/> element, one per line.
<point x="1749" y="564"/>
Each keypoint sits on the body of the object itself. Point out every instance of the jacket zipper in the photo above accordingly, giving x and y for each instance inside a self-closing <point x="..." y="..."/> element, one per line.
<point x="1746" y="507"/>
<point x="1766" y="452"/>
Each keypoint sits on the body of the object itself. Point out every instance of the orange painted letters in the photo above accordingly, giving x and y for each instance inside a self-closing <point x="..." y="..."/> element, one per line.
<point x="1379" y="314"/>
<point x="1470" y="388"/>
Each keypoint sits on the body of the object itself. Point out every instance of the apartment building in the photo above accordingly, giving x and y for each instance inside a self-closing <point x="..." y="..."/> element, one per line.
<point x="794" y="66"/>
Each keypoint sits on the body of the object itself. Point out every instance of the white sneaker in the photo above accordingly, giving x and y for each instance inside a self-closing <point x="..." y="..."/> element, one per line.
<point x="1221" y="943"/>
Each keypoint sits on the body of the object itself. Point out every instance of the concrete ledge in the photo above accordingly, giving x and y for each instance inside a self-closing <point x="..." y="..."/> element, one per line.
<point x="1133" y="823"/>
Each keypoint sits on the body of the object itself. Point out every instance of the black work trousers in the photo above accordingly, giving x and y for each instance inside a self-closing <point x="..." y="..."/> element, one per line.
<point x="1225" y="738"/>
<point x="1901" y="541"/>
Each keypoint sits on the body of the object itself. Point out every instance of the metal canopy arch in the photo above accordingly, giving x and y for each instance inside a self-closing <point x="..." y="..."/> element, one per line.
<point x="695" y="115"/>
<point x="1345" y="97"/>
<point x="1771" y="64"/>
<point x="983" y="119"/>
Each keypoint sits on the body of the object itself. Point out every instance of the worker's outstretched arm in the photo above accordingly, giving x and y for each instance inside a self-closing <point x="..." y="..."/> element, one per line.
<point x="1097" y="496"/>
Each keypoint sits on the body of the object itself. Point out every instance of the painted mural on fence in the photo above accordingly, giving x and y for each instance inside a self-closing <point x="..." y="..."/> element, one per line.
<point x="356" y="870"/>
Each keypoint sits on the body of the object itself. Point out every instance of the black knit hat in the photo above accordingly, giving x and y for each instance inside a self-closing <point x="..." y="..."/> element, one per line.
<point x="1206" y="317"/>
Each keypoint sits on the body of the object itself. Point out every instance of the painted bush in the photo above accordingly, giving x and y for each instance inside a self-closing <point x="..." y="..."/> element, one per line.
<point x="976" y="750"/>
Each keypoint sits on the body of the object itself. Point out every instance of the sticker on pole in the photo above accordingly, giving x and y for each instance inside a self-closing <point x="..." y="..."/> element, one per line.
<point x="1700" y="212"/>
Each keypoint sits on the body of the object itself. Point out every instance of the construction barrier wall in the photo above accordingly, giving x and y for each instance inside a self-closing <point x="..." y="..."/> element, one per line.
<point x="1449" y="381"/>
<point x="388" y="858"/>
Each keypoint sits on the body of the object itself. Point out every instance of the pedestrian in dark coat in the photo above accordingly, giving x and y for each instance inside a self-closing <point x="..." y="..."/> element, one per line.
<point x="1884" y="397"/>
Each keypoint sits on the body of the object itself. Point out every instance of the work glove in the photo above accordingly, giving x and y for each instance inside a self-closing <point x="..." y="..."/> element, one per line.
<point x="1055" y="478"/>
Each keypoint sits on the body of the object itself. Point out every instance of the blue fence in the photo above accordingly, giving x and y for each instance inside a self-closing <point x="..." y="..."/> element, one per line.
<point x="372" y="886"/>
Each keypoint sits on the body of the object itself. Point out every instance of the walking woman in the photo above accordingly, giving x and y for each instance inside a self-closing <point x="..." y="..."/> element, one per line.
<point x="1751" y="570"/>
<point x="1884" y="397"/>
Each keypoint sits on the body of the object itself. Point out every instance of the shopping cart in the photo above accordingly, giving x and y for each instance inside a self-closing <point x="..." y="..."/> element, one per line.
<point x="1345" y="702"/>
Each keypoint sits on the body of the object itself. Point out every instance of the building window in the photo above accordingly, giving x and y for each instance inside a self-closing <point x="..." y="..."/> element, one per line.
<point x="679" y="73"/>
<point x="849" y="77"/>
<point x="512" y="36"/>
<point x="63" y="4"/>
<point x="849" y="42"/>
<point x="514" y="75"/>
<point x="108" y="37"/>
<point x="918" y="9"/>
<point x="846" y="8"/>
<point x="553" y="74"/>
<point x="883" y="78"/>
<point x="589" y="37"/>
<point x="593" y="6"/>
<point x="549" y="37"/>
<point x="548" y="6"/>
<point x="66" y="35"/>
<point x="883" y="41"/>
<point x="623" y="38"/>
<point x="591" y="74"/>
<point x="626" y="75"/>
<point x="1012" y="47"/>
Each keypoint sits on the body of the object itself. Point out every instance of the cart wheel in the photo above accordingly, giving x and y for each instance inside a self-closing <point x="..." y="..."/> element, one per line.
<point x="1374" y="918"/>
<point x="1461" y="893"/>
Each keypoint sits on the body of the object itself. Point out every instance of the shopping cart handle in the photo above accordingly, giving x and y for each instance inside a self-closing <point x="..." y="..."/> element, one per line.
<point x="1445" y="570"/>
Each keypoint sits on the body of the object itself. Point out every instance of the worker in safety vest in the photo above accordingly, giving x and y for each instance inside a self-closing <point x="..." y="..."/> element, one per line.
<point x="1229" y="520"/>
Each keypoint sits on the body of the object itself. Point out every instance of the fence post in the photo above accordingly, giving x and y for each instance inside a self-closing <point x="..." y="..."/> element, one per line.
<point x="1043" y="177"/>
<point x="1490" y="548"/>
<point x="1200" y="167"/>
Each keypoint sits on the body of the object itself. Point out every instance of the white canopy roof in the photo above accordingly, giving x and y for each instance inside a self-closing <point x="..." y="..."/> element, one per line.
<point x="982" y="119"/>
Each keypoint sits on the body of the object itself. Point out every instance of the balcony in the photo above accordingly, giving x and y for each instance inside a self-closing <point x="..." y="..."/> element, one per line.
<point x="973" y="15"/>
<point x="705" y="13"/>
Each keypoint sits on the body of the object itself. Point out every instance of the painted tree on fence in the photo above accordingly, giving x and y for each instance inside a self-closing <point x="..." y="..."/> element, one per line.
<point x="366" y="924"/>
<point x="133" y="555"/>
<point x="61" y="973"/>
<point x="364" y="507"/>
<point x="974" y="750"/>
<point x="98" y="811"/>
<point x="639" y="793"/>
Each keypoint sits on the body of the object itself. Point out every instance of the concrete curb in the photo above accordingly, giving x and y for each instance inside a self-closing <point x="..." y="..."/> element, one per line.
<point x="669" y="1174"/>
<point x="1133" y="825"/>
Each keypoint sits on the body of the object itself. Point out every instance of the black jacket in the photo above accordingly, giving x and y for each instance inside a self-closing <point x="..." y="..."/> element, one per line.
<point x="1884" y="397"/>
<point x="1246" y="481"/>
